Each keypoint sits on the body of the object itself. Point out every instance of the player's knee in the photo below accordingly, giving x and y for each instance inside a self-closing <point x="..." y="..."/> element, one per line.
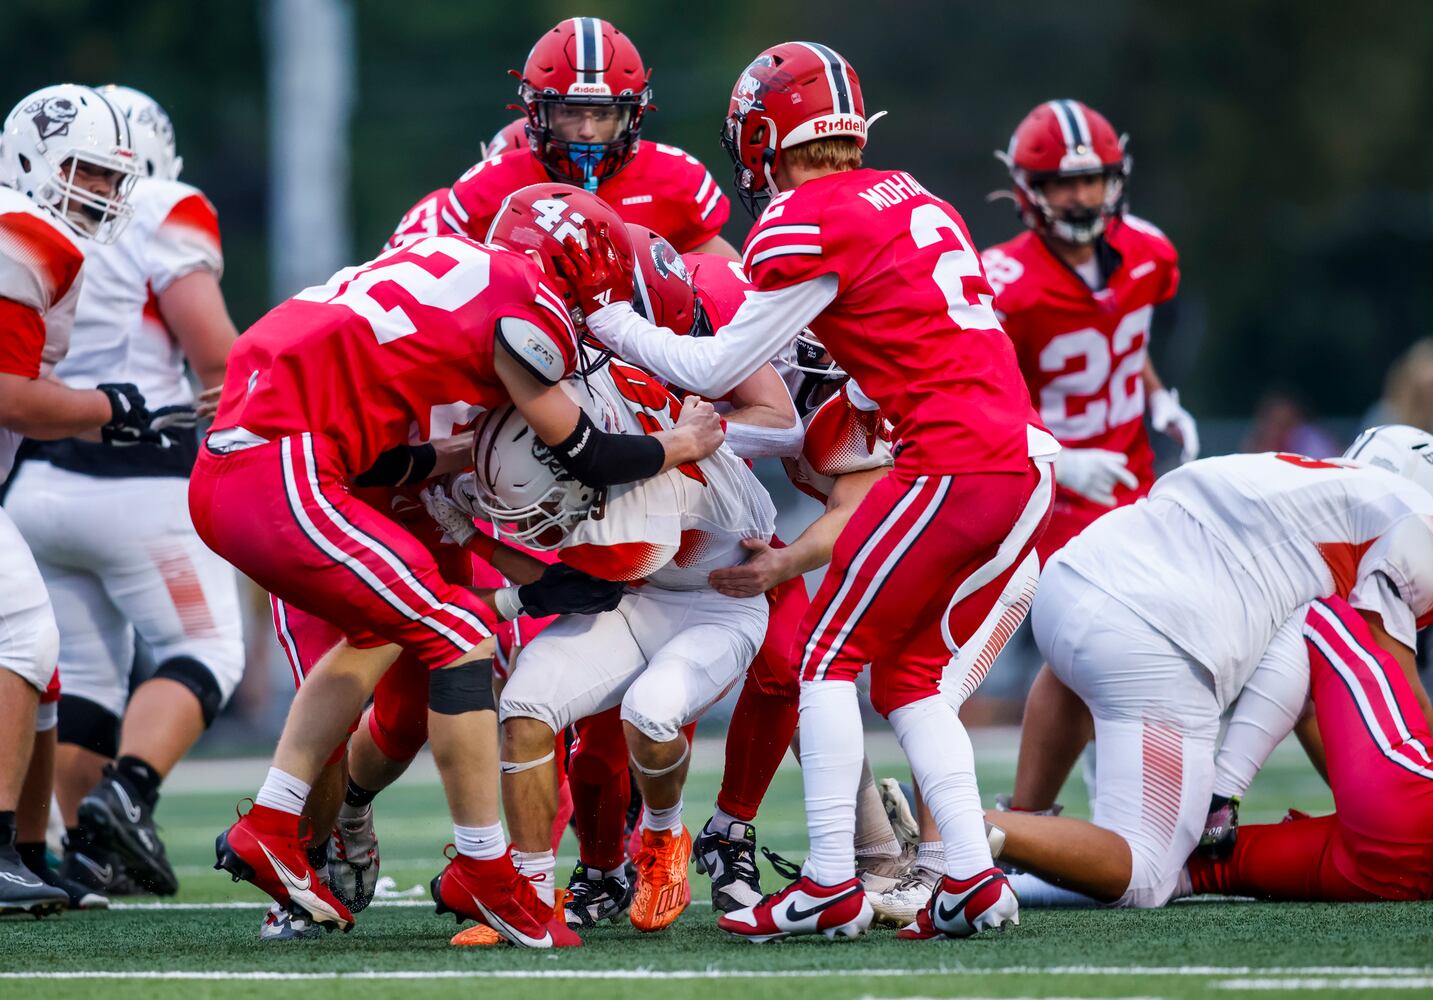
<point x="199" y="680"/>
<point x="526" y="737"/>
<point x="655" y="718"/>
<point x="89" y="726"/>
<point x="1153" y="878"/>
<point x="465" y="687"/>
<point x="398" y="736"/>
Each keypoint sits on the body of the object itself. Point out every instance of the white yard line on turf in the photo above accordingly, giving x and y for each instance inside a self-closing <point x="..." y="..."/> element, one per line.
<point x="1327" y="983"/>
<point x="1371" y="976"/>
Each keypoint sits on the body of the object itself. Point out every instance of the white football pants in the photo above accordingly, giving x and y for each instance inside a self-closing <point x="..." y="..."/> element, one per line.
<point x="29" y="641"/>
<point x="121" y="556"/>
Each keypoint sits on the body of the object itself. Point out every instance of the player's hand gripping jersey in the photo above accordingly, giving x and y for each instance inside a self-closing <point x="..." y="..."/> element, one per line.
<point x="39" y="288"/>
<point x="662" y="188"/>
<point x="1083" y="351"/>
<point x="396" y="351"/>
<point x="674" y="529"/>
<point x="1253" y="537"/>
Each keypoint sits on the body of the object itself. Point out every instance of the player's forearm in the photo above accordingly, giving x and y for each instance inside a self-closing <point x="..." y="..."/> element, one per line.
<point x="193" y="309"/>
<point x="1152" y="382"/>
<point x="452" y="454"/>
<point x="47" y="410"/>
<point x="761" y="431"/>
<point x="712" y="366"/>
<point x="720" y="247"/>
<point x="813" y="547"/>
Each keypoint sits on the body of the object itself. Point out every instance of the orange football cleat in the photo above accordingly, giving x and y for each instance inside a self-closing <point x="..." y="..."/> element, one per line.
<point x="662" y="890"/>
<point x="476" y="936"/>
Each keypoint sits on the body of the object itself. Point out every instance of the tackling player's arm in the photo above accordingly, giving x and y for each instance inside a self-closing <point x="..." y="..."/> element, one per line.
<point x="768" y="566"/>
<point x="763" y="422"/>
<point x="596" y="457"/>
<point x="710" y="366"/>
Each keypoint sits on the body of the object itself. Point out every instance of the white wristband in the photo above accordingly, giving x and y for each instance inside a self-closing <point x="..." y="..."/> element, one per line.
<point x="506" y="601"/>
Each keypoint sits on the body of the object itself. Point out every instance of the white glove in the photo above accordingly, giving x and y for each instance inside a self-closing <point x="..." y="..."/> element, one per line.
<point x="1093" y="473"/>
<point x="463" y="491"/>
<point x="1168" y="417"/>
<point x="456" y="523"/>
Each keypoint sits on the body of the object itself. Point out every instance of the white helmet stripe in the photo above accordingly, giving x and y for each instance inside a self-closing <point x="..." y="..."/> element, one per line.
<point x="1067" y="128"/>
<point x="838" y="77"/>
<point x="1082" y="124"/>
<point x="596" y="61"/>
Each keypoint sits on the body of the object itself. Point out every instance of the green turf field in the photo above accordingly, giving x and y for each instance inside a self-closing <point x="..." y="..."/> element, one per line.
<point x="204" y="941"/>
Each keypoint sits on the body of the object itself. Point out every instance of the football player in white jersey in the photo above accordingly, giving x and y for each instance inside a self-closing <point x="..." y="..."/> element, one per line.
<point x="66" y="170"/>
<point x="669" y="651"/>
<point x="110" y="528"/>
<point x="1157" y="615"/>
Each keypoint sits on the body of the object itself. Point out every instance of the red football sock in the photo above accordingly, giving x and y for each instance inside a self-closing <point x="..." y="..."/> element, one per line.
<point x="761" y="729"/>
<point x="600" y="790"/>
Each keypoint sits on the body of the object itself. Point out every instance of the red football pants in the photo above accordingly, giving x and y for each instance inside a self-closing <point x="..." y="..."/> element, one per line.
<point x="283" y="514"/>
<point x="1379" y="842"/>
<point x="916" y="574"/>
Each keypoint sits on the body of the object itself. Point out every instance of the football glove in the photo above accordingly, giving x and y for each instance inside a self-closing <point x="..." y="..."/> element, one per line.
<point x="1093" y="473"/>
<point x="174" y="424"/>
<point x="1168" y="417"/>
<point x="129" y="418"/>
<point x="456" y="523"/>
<point x="595" y="272"/>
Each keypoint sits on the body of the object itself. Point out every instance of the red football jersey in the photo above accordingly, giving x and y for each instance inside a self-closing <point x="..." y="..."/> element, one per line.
<point x="663" y="188"/>
<point x="396" y="351"/>
<point x="423" y="219"/>
<point x="912" y="321"/>
<point x="1082" y="352"/>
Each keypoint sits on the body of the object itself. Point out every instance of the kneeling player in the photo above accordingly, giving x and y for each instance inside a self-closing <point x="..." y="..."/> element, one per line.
<point x="1378" y="845"/>
<point x="668" y="652"/>
<point x="1158" y="648"/>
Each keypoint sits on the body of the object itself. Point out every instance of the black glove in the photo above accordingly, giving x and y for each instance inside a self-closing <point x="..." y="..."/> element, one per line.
<point x="174" y="424"/>
<point x="129" y="419"/>
<point x="567" y="591"/>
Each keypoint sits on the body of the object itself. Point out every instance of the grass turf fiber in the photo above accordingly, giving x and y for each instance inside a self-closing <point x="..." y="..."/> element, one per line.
<point x="1189" y="949"/>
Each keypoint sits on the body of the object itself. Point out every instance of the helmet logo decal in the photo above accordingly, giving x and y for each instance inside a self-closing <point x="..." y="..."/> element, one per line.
<point x="755" y="82"/>
<point x="52" y="116"/>
<point x="668" y="261"/>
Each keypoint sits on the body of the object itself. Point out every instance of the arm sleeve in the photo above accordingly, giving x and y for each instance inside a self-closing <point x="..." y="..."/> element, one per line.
<point x="22" y="339"/>
<point x="712" y="366"/>
<point x="186" y="241"/>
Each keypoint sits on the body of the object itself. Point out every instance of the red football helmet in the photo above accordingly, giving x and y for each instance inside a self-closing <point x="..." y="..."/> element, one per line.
<point x="1066" y="139"/>
<point x="513" y="135"/>
<point x="664" y="293"/>
<point x="584" y="63"/>
<point x="792" y="93"/>
<point x="538" y="219"/>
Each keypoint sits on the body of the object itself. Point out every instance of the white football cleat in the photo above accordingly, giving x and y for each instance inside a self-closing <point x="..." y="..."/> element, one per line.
<point x="962" y="908"/>
<point x="899" y="904"/>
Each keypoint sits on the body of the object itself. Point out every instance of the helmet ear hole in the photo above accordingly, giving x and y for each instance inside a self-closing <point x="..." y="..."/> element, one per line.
<point x="24" y="163"/>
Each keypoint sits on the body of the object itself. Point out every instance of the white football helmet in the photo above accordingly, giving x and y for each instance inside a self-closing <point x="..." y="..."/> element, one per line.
<point x="52" y="134"/>
<point x="521" y="486"/>
<point x="151" y="130"/>
<point x="1406" y="451"/>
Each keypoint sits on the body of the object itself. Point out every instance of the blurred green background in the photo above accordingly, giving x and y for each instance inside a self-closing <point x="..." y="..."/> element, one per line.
<point x="1284" y="146"/>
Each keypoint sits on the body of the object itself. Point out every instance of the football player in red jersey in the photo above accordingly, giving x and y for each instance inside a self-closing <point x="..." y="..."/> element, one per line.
<point x="585" y="92"/>
<point x="884" y="274"/>
<point x="1077" y="292"/>
<point x="339" y="380"/>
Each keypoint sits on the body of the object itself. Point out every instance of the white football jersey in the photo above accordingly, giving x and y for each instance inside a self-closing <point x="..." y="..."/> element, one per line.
<point x="1225" y="549"/>
<point x="40" y="269"/>
<point x="673" y="529"/>
<point x="843" y="435"/>
<point x="119" y="335"/>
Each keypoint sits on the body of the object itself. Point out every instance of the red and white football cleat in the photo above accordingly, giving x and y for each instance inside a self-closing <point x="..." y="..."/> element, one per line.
<point x="803" y="907"/>
<point x="961" y="908"/>
<point x="269" y="848"/>
<point x="493" y="893"/>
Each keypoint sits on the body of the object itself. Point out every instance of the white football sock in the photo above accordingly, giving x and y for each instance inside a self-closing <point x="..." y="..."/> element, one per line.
<point x="481" y="842"/>
<point x="1036" y="892"/>
<point x="831" y="754"/>
<point x="282" y="791"/>
<point x="943" y="762"/>
<point x="722" y="821"/>
<point x="663" y="820"/>
<point x="540" y="868"/>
